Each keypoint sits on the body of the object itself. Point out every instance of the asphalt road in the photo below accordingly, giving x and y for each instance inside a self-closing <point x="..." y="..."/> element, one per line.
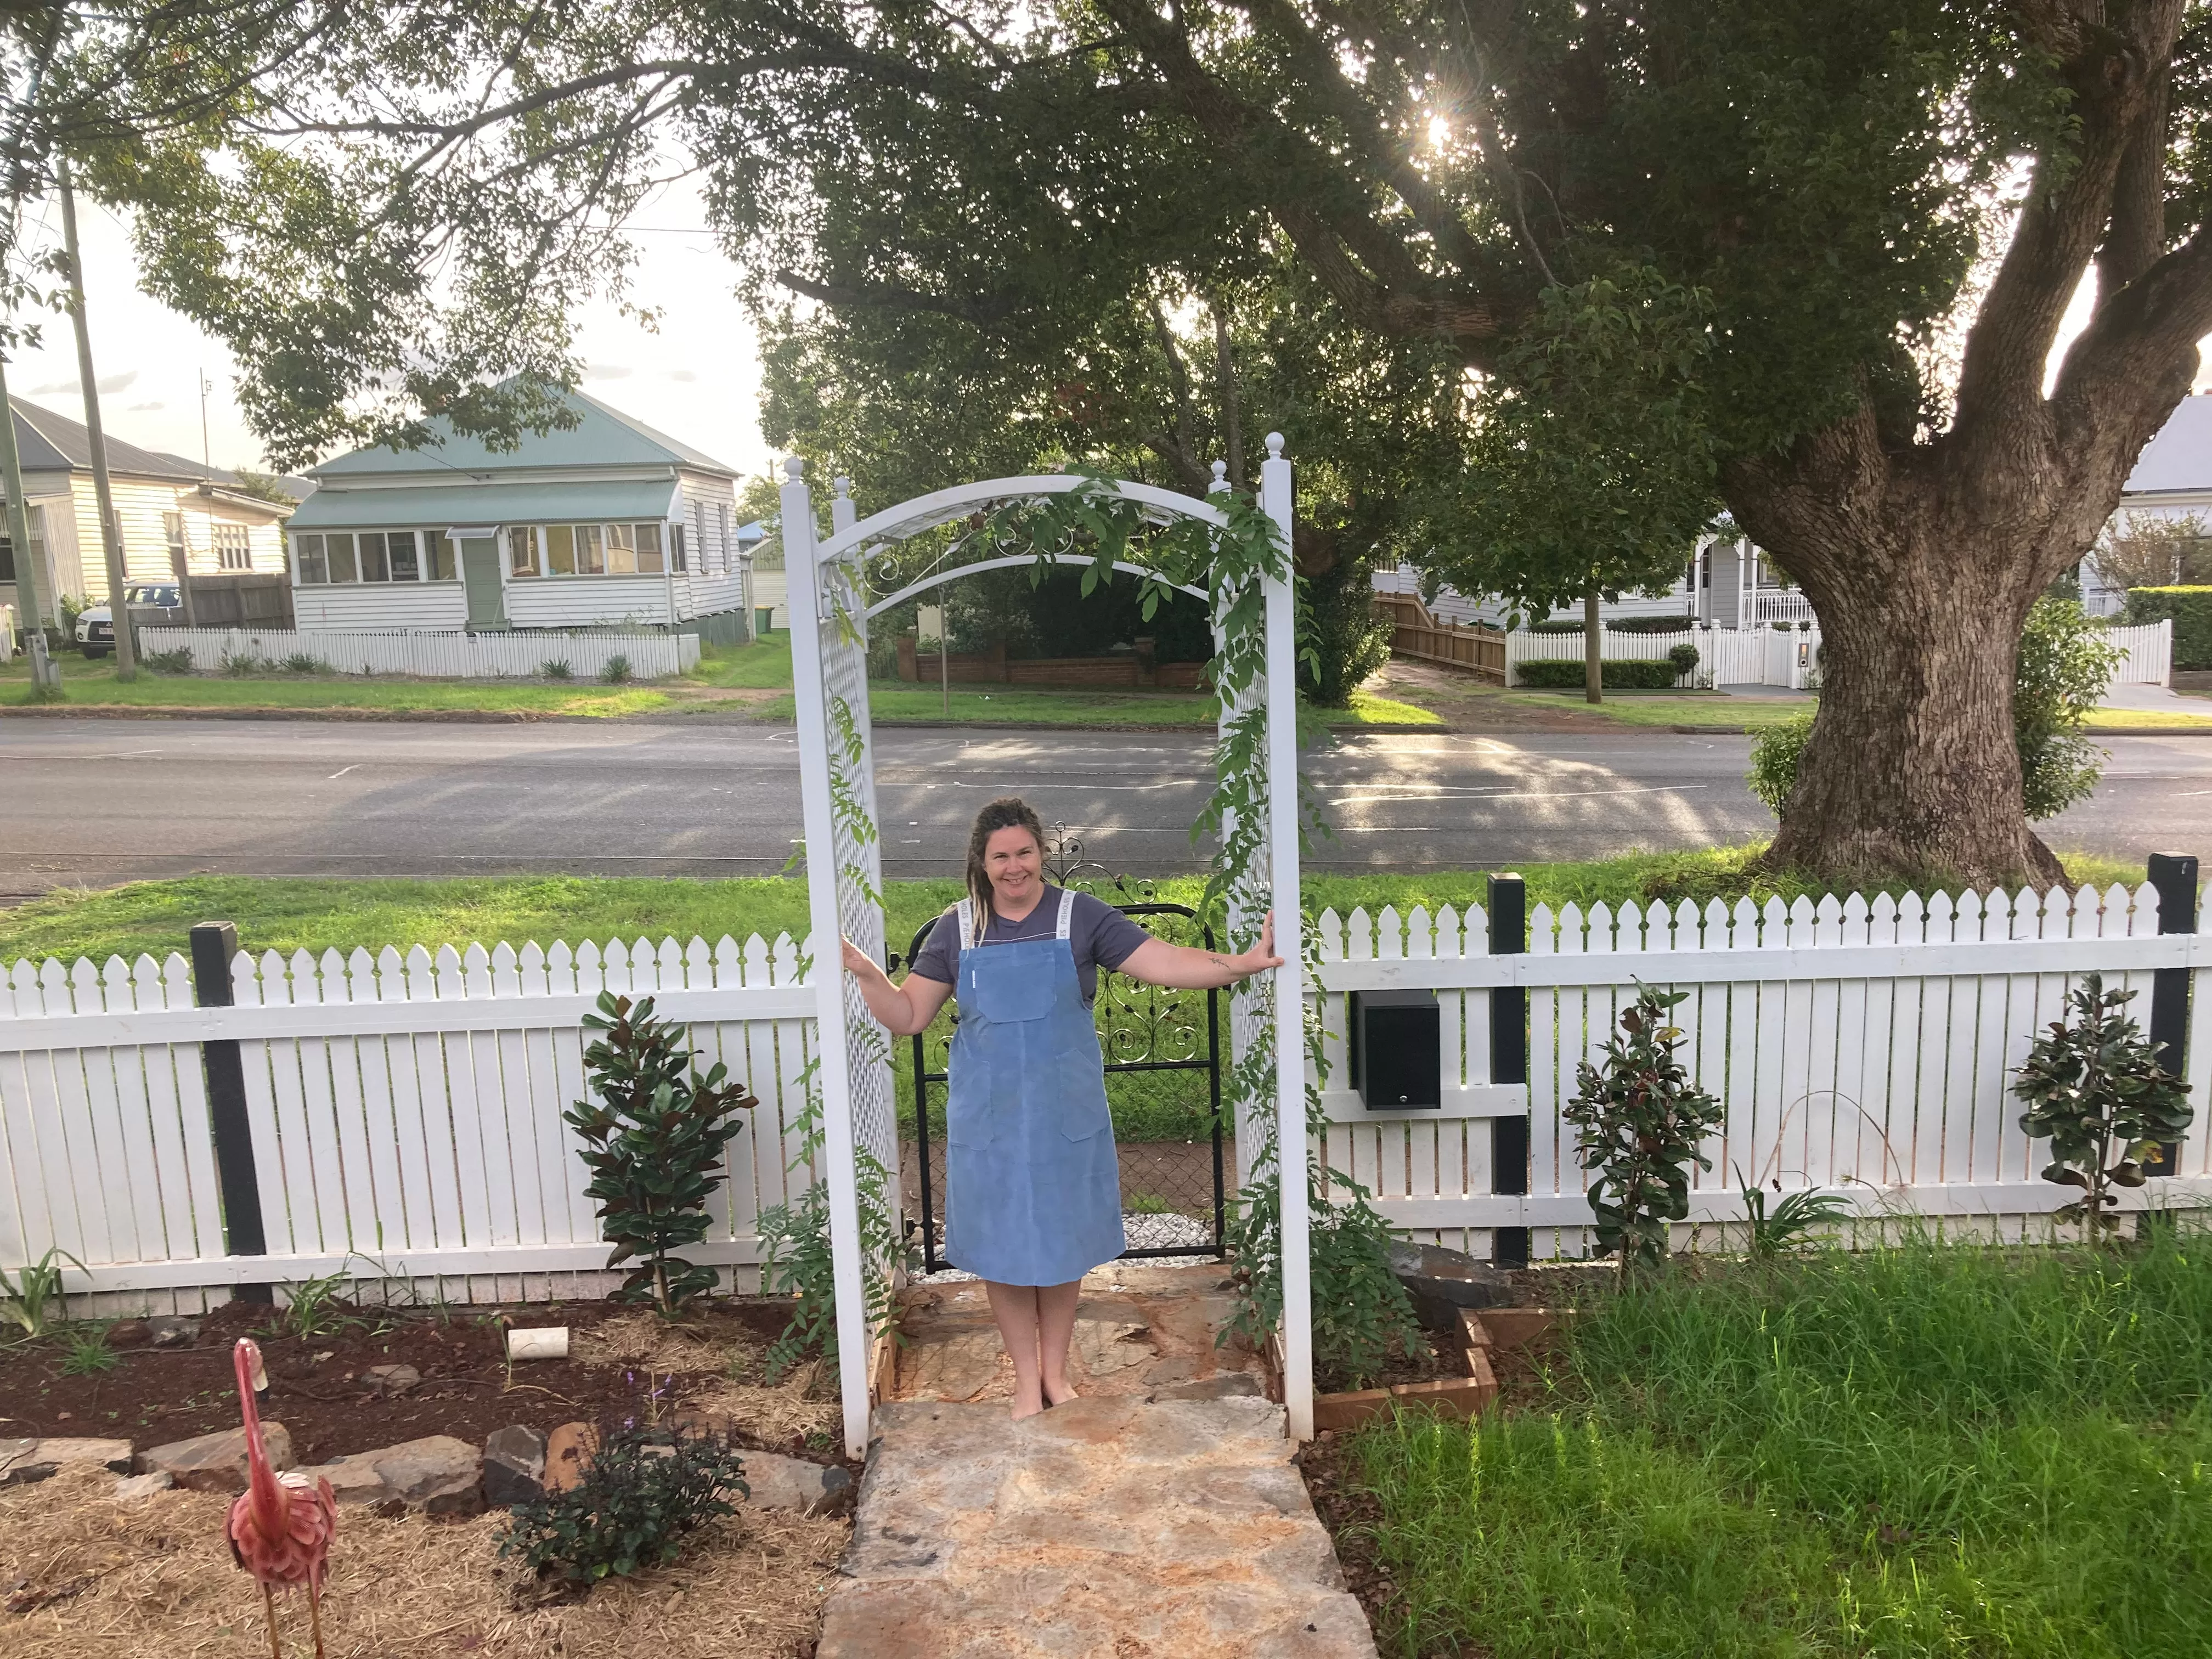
<point x="97" y="801"/>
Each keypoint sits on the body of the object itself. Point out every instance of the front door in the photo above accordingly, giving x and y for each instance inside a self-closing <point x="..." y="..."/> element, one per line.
<point x="480" y="576"/>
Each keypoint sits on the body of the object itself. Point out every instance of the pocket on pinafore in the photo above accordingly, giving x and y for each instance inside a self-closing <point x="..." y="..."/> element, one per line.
<point x="1003" y="993"/>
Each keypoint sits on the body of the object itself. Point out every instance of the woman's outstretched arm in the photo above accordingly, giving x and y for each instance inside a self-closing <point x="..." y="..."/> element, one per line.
<point x="903" y="1009"/>
<point x="1180" y="967"/>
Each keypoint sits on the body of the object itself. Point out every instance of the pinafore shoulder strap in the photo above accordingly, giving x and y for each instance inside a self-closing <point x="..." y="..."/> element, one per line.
<point x="1067" y="913"/>
<point x="967" y="923"/>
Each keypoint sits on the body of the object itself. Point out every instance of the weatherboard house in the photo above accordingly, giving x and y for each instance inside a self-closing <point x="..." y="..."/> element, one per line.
<point x="605" y="523"/>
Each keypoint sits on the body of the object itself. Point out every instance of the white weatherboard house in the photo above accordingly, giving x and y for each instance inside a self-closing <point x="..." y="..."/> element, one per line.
<point x="2172" y="479"/>
<point x="175" y="514"/>
<point x="606" y="524"/>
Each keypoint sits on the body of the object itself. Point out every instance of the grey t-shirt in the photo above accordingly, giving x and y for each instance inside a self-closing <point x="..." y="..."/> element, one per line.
<point x="1097" y="933"/>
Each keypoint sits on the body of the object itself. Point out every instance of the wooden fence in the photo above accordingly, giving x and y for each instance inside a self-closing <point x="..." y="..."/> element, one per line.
<point x="1416" y="634"/>
<point x="404" y="1109"/>
<point x="442" y="656"/>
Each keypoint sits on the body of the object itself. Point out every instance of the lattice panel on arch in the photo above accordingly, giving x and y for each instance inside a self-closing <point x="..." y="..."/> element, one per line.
<point x="1252" y="1004"/>
<point x="857" y="863"/>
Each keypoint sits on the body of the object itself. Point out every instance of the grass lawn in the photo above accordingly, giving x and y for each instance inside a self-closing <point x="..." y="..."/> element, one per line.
<point x="93" y="684"/>
<point x="2158" y="717"/>
<point x="1927" y="1451"/>
<point x="321" y="912"/>
<point x="1666" y="708"/>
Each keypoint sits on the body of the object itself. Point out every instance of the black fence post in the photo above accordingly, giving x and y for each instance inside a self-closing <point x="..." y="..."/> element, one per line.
<point x="214" y="944"/>
<point x="1509" y="1061"/>
<point x="2174" y="876"/>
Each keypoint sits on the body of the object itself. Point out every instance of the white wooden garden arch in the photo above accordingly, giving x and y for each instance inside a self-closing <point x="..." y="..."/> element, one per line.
<point x="828" y="639"/>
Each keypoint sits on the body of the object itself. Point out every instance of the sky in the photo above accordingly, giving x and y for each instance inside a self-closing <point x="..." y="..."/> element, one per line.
<point x="697" y="378"/>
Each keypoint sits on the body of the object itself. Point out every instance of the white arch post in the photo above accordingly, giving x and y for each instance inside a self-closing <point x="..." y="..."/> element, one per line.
<point x="1275" y="499"/>
<point x="843" y="863"/>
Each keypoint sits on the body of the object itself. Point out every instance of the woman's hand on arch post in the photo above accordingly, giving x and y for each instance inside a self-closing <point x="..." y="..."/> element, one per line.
<point x="903" y="1009"/>
<point x="1180" y="968"/>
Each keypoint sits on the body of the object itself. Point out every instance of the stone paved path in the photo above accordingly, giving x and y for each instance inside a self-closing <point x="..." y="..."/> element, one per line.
<point x="1114" y="1526"/>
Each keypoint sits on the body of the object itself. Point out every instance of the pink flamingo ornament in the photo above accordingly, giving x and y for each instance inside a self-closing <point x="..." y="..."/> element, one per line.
<point x="280" y="1526"/>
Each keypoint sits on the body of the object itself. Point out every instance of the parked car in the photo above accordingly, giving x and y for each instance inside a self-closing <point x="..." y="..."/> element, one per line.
<point x="152" y="604"/>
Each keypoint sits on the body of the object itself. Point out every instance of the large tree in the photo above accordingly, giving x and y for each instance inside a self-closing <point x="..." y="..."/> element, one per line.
<point x="1836" y="243"/>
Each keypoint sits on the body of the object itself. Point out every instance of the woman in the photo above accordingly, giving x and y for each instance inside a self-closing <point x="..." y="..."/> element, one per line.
<point x="1034" y="1198"/>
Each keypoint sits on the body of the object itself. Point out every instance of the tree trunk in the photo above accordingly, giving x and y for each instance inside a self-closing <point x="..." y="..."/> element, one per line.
<point x="1913" y="767"/>
<point x="1592" y="649"/>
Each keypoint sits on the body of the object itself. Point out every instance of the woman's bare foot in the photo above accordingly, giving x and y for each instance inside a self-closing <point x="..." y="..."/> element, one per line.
<point x="1027" y="1404"/>
<point x="1060" y="1393"/>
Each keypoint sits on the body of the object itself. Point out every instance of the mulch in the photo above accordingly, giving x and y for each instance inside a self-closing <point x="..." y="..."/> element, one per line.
<point x="319" y="1389"/>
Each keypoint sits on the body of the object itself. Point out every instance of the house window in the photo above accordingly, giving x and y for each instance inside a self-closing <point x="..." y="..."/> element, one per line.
<point x="339" y="548"/>
<point x="172" y="531"/>
<point x="648" y="548"/>
<point x="307" y="556"/>
<point x="722" y="534"/>
<point x="676" y="554"/>
<point x="699" y="511"/>
<point x="374" y="569"/>
<point x="522" y="550"/>
<point x="442" y="557"/>
<point x="401" y="547"/>
<point x="622" y="550"/>
<point x="233" y="544"/>
<point x="591" y="551"/>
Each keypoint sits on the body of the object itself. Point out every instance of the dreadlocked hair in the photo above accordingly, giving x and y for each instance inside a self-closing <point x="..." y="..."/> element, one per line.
<point x="1007" y="812"/>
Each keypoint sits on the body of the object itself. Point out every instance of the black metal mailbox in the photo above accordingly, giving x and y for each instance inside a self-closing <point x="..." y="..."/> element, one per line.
<point x="1396" y="1044"/>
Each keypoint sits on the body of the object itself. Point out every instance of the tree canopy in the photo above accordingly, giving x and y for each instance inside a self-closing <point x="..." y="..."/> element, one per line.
<point x="1806" y="262"/>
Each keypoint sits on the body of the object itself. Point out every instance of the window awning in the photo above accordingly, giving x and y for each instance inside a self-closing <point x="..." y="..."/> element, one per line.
<point x="437" y="507"/>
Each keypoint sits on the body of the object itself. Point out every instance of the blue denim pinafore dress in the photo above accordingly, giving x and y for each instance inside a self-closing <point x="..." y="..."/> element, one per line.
<point x="1033" y="1184"/>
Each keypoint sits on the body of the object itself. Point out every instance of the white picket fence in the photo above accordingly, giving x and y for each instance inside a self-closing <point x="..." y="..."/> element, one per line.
<point x="1861" y="1049"/>
<point x="405" y="1108"/>
<point x="405" y="1112"/>
<point x="1525" y="645"/>
<point x="433" y="656"/>
<point x="2149" y="649"/>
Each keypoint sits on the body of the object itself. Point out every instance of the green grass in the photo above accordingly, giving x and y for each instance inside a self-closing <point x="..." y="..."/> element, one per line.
<point x="2163" y="717"/>
<point x="1917" y="1451"/>
<point x="316" y="913"/>
<point x="762" y="664"/>
<point x="93" y="685"/>
<point x="1657" y="709"/>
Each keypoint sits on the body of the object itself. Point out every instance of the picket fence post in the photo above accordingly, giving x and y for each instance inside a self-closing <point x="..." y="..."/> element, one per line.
<point x="2174" y="876"/>
<point x="1509" y="1061"/>
<point x="214" y="944"/>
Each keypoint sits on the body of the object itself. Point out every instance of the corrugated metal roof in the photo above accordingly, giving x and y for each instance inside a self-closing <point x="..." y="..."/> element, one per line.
<point x="438" y="507"/>
<point x="48" y="442"/>
<point x="602" y="437"/>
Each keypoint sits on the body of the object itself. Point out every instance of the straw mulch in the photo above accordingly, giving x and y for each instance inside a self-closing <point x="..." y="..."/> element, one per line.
<point x="154" y="1577"/>
<point x="801" y="1403"/>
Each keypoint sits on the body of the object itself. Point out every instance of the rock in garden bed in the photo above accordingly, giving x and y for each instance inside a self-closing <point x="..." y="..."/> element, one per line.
<point x="367" y="1378"/>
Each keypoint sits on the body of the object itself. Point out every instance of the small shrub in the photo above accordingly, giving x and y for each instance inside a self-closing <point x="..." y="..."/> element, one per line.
<point x="85" y="1351"/>
<point x="30" y="1300"/>
<point x="1684" y="657"/>
<point x="1775" y="754"/>
<point x="617" y="670"/>
<point x="2093" y="1087"/>
<point x="306" y="662"/>
<point x="556" y="668"/>
<point x="795" y="1262"/>
<point x="644" y="1490"/>
<point x="179" y="661"/>
<point x="1792" y="1221"/>
<point x="1640" y="1123"/>
<point x="653" y="1142"/>
<point x="1633" y="674"/>
<point x="243" y="663"/>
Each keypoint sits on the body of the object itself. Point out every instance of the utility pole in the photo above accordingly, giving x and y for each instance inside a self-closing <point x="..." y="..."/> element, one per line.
<point x="110" y="529"/>
<point x="46" y="673"/>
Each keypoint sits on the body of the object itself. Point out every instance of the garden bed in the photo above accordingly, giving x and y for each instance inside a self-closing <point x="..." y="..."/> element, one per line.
<point x="319" y="1386"/>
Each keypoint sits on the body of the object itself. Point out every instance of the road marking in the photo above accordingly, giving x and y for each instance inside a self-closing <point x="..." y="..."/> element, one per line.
<point x="126" y="754"/>
<point x="356" y="766"/>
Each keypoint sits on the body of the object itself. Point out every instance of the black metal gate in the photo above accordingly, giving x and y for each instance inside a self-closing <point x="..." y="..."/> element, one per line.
<point x="1172" y="1189"/>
